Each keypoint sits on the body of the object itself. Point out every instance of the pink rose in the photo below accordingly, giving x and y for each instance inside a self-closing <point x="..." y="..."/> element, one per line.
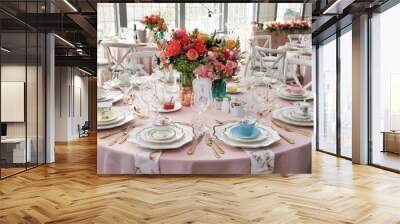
<point x="212" y="57"/>
<point x="180" y="33"/>
<point x="192" y="54"/>
<point x="219" y="66"/>
<point x="230" y="65"/>
<point x="205" y="71"/>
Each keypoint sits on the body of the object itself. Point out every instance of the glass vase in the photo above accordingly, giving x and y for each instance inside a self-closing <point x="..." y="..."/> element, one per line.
<point x="218" y="88"/>
<point x="186" y="79"/>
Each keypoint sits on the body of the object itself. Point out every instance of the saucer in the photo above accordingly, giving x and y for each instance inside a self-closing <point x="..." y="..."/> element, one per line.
<point x="161" y="134"/>
<point x="235" y="131"/>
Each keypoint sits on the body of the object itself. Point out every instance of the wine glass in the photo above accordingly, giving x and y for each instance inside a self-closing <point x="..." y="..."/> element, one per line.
<point x="200" y="104"/>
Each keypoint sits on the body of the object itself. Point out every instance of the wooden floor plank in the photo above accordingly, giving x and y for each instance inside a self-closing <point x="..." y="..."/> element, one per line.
<point x="70" y="191"/>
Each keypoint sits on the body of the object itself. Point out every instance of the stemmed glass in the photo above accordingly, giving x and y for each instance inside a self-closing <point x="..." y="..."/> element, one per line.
<point x="200" y="104"/>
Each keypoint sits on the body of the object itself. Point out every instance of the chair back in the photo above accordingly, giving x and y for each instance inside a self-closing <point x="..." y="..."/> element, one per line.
<point x="290" y="63"/>
<point x="266" y="38"/>
<point x="138" y="57"/>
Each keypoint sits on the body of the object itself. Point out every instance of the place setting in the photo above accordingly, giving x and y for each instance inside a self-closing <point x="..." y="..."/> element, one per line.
<point x="162" y="134"/>
<point x="246" y="133"/>
<point x="294" y="92"/>
<point x="299" y="115"/>
<point x="108" y="96"/>
<point x="109" y="117"/>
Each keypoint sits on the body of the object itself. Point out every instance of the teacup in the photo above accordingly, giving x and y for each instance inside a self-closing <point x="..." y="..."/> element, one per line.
<point x="161" y="123"/>
<point x="104" y="109"/>
<point x="302" y="108"/>
<point x="246" y="127"/>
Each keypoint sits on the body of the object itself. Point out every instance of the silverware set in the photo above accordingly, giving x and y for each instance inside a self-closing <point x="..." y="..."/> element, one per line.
<point x="291" y="129"/>
<point x="121" y="139"/>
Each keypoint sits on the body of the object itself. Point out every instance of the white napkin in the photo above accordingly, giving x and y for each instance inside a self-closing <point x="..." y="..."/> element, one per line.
<point x="262" y="161"/>
<point x="147" y="161"/>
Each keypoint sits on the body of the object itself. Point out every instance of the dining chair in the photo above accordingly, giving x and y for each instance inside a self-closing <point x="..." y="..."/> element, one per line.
<point x="266" y="38"/>
<point x="290" y="71"/>
<point x="138" y="61"/>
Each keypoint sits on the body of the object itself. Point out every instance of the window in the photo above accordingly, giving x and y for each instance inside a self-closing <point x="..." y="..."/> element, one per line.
<point x="240" y="16"/>
<point x="106" y="20"/>
<point x="385" y="84"/>
<point x="204" y="16"/>
<point x="137" y="11"/>
<point x="289" y="11"/>
<point x="327" y="96"/>
<point x="346" y="94"/>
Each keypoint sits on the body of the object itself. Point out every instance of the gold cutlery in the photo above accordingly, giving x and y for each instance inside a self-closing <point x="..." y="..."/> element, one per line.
<point x="212" y="143"/>
<point x="265" y="112"/>
<point x="224" y="122"/>
<point x="212" y="146"/>
<point x="291" y="129"/>
<point x="195" y="143"/>
<point x="289" y="140"/>
<point x="121" y="139"/>
<point x="112" y="133"/>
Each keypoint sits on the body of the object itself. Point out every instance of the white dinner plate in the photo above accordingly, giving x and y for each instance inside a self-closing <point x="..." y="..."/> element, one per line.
<point x="114" y="97"/>
<point x="126" y="120"/>
<point x="188" y="136"/>
<point x="146" y="136"/>
<point x="118" y="119"/>
<point x="292" y="115"/>
<point x="277" y="114"/>
<point x="273" y="137"/>
<point x="263" y="135"/>
<point x="283" y="94"/>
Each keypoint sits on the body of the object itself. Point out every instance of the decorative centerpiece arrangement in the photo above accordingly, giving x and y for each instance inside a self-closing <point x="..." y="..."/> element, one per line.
<point x="156" y="26"/>
<point x="221" y="63"/>
<point x="184" y="53"/>
<point x="290" y="27"/>
<point x="197" y="54"/>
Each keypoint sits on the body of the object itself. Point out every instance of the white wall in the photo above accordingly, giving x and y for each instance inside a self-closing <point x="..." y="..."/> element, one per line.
<point x="71" y="103"/>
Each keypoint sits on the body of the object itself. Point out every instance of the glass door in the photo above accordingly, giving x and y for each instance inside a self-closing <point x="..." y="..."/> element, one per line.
<point x="326" y="105"/>
<point x="385" y="90"/>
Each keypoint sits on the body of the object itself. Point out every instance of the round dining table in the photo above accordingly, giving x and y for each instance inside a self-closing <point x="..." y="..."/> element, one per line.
<point x="289" y="158"/>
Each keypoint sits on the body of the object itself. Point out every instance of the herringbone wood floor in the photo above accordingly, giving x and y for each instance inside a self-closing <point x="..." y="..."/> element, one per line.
<point x="69" y="191"/>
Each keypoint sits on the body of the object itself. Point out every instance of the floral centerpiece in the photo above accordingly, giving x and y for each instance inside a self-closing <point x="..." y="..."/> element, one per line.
<point x="221" y="63"/>
<point x="184" y="53"/>
<point x="156" y="25"/>
<point x="294" y="26"/>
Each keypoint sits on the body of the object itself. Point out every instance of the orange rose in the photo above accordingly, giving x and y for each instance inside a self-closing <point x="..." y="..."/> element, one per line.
<point x="203" y="37"/>
<point x="230" y="44"/>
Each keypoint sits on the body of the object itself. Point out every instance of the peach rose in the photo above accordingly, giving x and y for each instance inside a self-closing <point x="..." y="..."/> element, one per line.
<point x="192" y="54"/>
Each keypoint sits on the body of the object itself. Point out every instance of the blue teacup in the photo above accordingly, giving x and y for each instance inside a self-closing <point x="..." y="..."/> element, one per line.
<point x="246" y="127"/>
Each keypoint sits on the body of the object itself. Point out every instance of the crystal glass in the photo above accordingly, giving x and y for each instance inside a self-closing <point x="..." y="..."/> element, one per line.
<point x="200" y="104"/>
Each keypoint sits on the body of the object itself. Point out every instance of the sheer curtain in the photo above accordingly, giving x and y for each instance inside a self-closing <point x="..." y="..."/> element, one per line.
<point x="106" y="20"/>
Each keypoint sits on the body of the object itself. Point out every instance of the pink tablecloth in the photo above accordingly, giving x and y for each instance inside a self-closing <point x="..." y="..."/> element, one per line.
<point x="119" y="158"/>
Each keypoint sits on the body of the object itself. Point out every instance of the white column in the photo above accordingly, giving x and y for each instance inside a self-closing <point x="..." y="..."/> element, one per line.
<point x="360" y="90"/>
<point x="50" y="99"/>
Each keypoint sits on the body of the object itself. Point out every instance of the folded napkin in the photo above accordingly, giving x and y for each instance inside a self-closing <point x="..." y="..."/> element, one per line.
<point x="262" y="161"/>
<point x="147" y="161"/>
